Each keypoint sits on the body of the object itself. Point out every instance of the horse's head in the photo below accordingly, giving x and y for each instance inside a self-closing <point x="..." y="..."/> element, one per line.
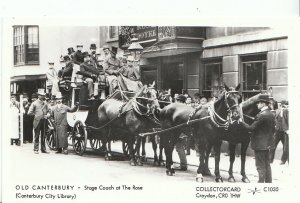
<point x="148" y="97"/>
<point x="232" y="100"/>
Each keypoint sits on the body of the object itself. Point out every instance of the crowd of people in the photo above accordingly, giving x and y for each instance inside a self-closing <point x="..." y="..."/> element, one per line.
<point x="93" y="68"/>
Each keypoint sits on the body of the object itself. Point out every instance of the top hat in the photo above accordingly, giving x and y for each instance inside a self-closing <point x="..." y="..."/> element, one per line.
<point x="84" y="54"/>
<point x="66" y="58"/>
<point x="79" y="45"/>
<point x="41" y="92"/>
<point x="181" y="98"/>
<point x="58" y="95"/>
<point x="105" y="47"/>
<point x="93" y="46"/>
<point x="70" y="50"/>
<point x="263" y="98"/>
<point x="114" y="50"/>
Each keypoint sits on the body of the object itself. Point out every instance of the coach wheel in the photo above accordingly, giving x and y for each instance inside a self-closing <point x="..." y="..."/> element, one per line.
<point x="79" y="138"/>
<point x="96" y="144"/>
<point x="50" y="135"/>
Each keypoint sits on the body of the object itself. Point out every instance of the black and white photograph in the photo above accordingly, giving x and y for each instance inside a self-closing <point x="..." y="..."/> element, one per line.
<point x="160" y="104"/>
<point x="148" y="108"/>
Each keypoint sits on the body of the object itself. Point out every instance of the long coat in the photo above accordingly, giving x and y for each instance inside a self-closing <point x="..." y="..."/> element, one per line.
<point x="262" y="129"/>
<point x="61" y="124"/>
<point x="38" y="109"/>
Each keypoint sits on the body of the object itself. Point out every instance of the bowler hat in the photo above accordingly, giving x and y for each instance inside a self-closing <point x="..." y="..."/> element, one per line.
<point x="70" y="50"/>
<point x="84" y="54"/>
<point x="93" y="46"/>
<point x="51" y="63"/>
<point x="66" y="58"/>
<point x="263" y="98"/>
<point x="181" y="98"/>
<point x="114" y="50"/>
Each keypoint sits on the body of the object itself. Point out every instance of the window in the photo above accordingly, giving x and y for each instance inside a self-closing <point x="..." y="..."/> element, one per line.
<point x="254" y="74"/>
<point x="113" y="32"/>
<point x="26" y="45"/>
<point x="213" y="80"/>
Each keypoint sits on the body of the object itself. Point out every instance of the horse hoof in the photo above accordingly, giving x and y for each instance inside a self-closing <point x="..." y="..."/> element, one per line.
<point x="170" y="172"/>
<point x="199" y="178"/>
<point x="231" y="179"/>
<point x="132" y="163"/>
<point x="139" y="163"/>
<point x="219" y="180"/>
<point x="107" y="158"/>
<point x="246" y="180"/>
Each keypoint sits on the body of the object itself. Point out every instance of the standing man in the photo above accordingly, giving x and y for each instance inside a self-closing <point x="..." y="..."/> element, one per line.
<point x="78" y="56"/>
<point x="27" y="122"/>
<point x="39" y="109"/>
<point x="281" y="134"/>
<point x="52" y="78"/>
<point x="59" y="114"/>
<point x="262" y="130"/>
<point x="180" y="145"/>
<point x="111" y="66"/>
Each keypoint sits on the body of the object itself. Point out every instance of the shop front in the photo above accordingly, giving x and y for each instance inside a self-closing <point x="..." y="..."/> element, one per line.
<point x="171" y="56"/>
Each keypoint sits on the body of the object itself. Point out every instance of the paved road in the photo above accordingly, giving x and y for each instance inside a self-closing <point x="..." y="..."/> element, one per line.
<point x="94" y="166"/>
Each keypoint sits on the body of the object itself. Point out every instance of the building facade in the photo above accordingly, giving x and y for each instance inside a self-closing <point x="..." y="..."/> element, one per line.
<point x="34" y="46"/>
<point x="183" y="59"/>
<point x="202" y="59"/>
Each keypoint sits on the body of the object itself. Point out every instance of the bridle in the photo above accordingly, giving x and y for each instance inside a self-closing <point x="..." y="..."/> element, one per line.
<point x="216" y="118"/>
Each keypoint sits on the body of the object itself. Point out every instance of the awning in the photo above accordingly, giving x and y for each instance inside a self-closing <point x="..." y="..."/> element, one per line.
<point x="171" y="49"/>
<point x="28" y="77"/>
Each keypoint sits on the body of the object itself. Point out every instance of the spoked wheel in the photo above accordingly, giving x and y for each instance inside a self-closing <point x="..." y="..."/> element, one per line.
<point x="50" y="135"/>
<point x="79" y="138"/>
<point x="96" y="144"/>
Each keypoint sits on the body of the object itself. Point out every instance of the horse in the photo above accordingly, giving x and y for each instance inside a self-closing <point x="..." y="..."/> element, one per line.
<point x="130" y="118"/>
<point x="210" y="126"/>
<point x="237" y="134"/>
<point x="163" y="100"/>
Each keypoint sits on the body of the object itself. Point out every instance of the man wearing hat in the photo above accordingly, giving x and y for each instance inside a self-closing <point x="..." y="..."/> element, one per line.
<point x="262" y="130"/>
<point x="59" y="113"/>
<point x="68" y="69"/>
<point x="111" y="66"/>
<point x="89" y="72"/>
<point x="180" y="145"/>
<point x="106" y="51"/>
<point x="281" y="133"/>
<point x="27" y="121"/>
<point x="78" y="57"/>
<point x="71" y="53"/>
<point x="39" y="109"/>
<point x="130" y="71"/>
<point x="52" y="78"/>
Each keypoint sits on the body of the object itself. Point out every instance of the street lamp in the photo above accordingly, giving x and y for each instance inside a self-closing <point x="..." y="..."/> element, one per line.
<point x="135" y="48"/>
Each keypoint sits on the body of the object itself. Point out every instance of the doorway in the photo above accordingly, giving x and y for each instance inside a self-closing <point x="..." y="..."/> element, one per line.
<point x="173" y="77"/>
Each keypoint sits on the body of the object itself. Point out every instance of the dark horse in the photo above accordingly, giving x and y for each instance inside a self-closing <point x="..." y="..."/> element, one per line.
<point x="125" y="120"/>
<point x="211" y="121"/>
<point x="237" y="134"/>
